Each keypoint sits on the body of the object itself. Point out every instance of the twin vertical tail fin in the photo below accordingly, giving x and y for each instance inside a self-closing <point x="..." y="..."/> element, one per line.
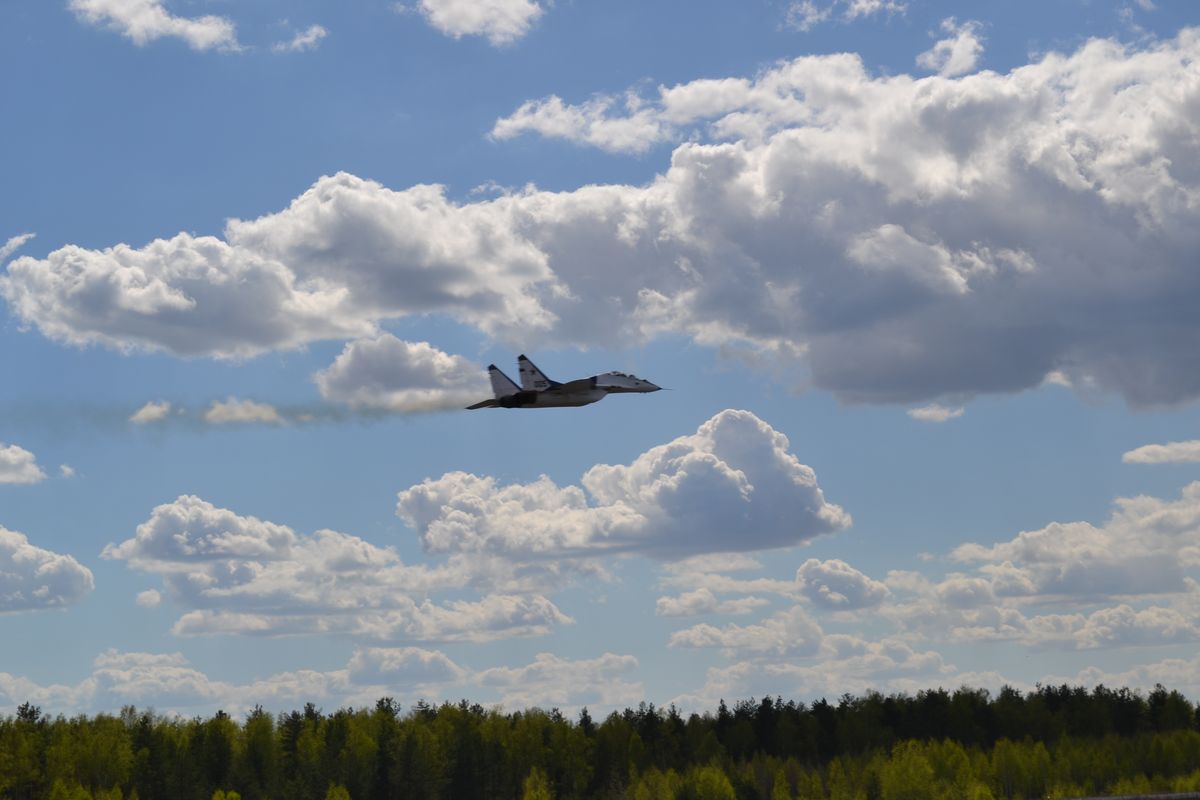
<point x="532" y="378"/>
<point x="502" y="386"/>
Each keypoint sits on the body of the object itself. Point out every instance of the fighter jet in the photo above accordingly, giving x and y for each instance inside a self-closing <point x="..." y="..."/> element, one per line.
<point x="538" y="391"/>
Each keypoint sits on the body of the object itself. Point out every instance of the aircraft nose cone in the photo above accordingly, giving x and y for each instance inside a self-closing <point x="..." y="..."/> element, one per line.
<point x="650" y="387"/>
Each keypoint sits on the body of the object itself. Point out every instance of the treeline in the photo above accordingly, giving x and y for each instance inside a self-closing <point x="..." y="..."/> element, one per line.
<point x="1053" y="742"/>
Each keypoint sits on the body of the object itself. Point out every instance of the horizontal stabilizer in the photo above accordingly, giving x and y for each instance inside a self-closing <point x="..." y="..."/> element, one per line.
<point x="484" y="404"/>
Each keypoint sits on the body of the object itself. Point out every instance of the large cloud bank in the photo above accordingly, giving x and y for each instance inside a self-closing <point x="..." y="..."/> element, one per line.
<point x="906" y="238"/>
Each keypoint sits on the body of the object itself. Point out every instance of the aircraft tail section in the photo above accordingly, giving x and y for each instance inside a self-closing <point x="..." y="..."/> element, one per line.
<point x="502" y="385"/>
<point x="532" y="378"/>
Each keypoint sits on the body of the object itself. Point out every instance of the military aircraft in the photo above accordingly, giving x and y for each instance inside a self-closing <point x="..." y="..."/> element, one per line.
<point x="538" y="391"/>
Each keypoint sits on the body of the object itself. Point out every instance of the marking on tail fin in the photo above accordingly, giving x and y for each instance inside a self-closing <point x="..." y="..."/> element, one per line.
<point x="532" y="378"/>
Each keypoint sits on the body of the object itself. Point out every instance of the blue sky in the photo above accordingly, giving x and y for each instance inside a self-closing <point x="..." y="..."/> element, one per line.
<point x="920" y="276"/>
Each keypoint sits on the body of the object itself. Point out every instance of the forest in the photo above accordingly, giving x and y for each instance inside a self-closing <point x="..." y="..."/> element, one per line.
<point x="1054" y="741"/>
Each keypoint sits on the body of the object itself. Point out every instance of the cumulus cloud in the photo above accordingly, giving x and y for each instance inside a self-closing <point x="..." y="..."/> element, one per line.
<point x="788" y="633"/>
<point x="1007" y="191"/>
<point x="501" y="21"/>
<point x="14" y="244"/>
<point x="18" y="465"/>
<point x="836" y="585"/>
<point x="843" y="663"/>
<point x="235" y="411"/>
<point x="242" y="575"/>
<point x="308" y="39"/>
<point x="151" y="412"/>
<point x="168" y="683"/>
<point x="151" y="598"/>
<point x="384" y="373"/>
<point x="732" y="486"/>
<point x="144" y="21"/>
<point x="958" y="53"/>
<point x="1169" y="453"/>
<point x="935" y="412"/>
<point x="804" y="15"/>
<point x="554" y="681"/>
<point x="32" y="578"/>
<point x="703" y="601"/>
<point x="1143" y="549"/>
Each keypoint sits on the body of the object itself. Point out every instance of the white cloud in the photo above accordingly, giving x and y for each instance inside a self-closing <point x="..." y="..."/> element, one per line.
<point x="1010" y="191"/>
<point x="151" y="412"/>
<point x="18" y="465"/>
<point x="1143" y="549"/>
<point x="703" y="601"/>
<point x="935" y="412"/>
<point x="384" y="373"/>
<point x="554" y="681"/>
<point x="956" y="55"/>
<point x="836" y="585"/>
<point x="788" y="633"/>
<point x="308" y="39"/>
<point x="14" y="244"/>
<point x="501" y="21"/>
<point x="403" y="667"/>
<point x="235" y="411"/>
<point x="732" y="486"/>
<point x="144" y="21"/>
<point x="32" y="578"/>
<point x="151" y="598"/>
<point x="242" y="575"/>
<point x="842" y="664"/>
<point x="66" y="471"/>
<point x="804" y="15"/>
<point x="168" y="683"/>
<point x="1169" y="453"/>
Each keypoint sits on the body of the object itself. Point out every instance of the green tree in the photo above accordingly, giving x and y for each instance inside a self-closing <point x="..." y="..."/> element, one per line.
<point x="536" y="786"/>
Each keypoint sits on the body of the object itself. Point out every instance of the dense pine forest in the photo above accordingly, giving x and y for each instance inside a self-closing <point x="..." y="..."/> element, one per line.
<point x="1053" y="742"/>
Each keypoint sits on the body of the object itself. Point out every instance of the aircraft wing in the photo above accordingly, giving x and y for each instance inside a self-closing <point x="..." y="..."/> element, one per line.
<point x="484" y="404"/>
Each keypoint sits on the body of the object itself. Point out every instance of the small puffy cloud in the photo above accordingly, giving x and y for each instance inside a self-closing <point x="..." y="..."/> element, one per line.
<point x="554" y="681"/>
<point x="32" y="578"/>
<point x="307" y="39"/>
<point x="14" y="244"/>
<point x="732" y="486"/>
<point x="958" y="53"/>
<point x="18" y="465"/>
<point x="1170" y="453"/>
<point x="151" y="598"/>
<point x="703" y="601"/>
<point x="384" y="373"/>
<point x="234" y="411"/>
<point x="144" y="21"/>
<point x="836" y="585"/>
<point x="501" y="21"/>
<point x="402" y="667"/>
<point x="151" y="412"/>
<point x="804" y="15"/>
<point x="935" y="412"/>
<point x="788" y="633"/>
<point x="592" y="123"/>
<point x="194" y="530"/>
<point x="240" y="575"/>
